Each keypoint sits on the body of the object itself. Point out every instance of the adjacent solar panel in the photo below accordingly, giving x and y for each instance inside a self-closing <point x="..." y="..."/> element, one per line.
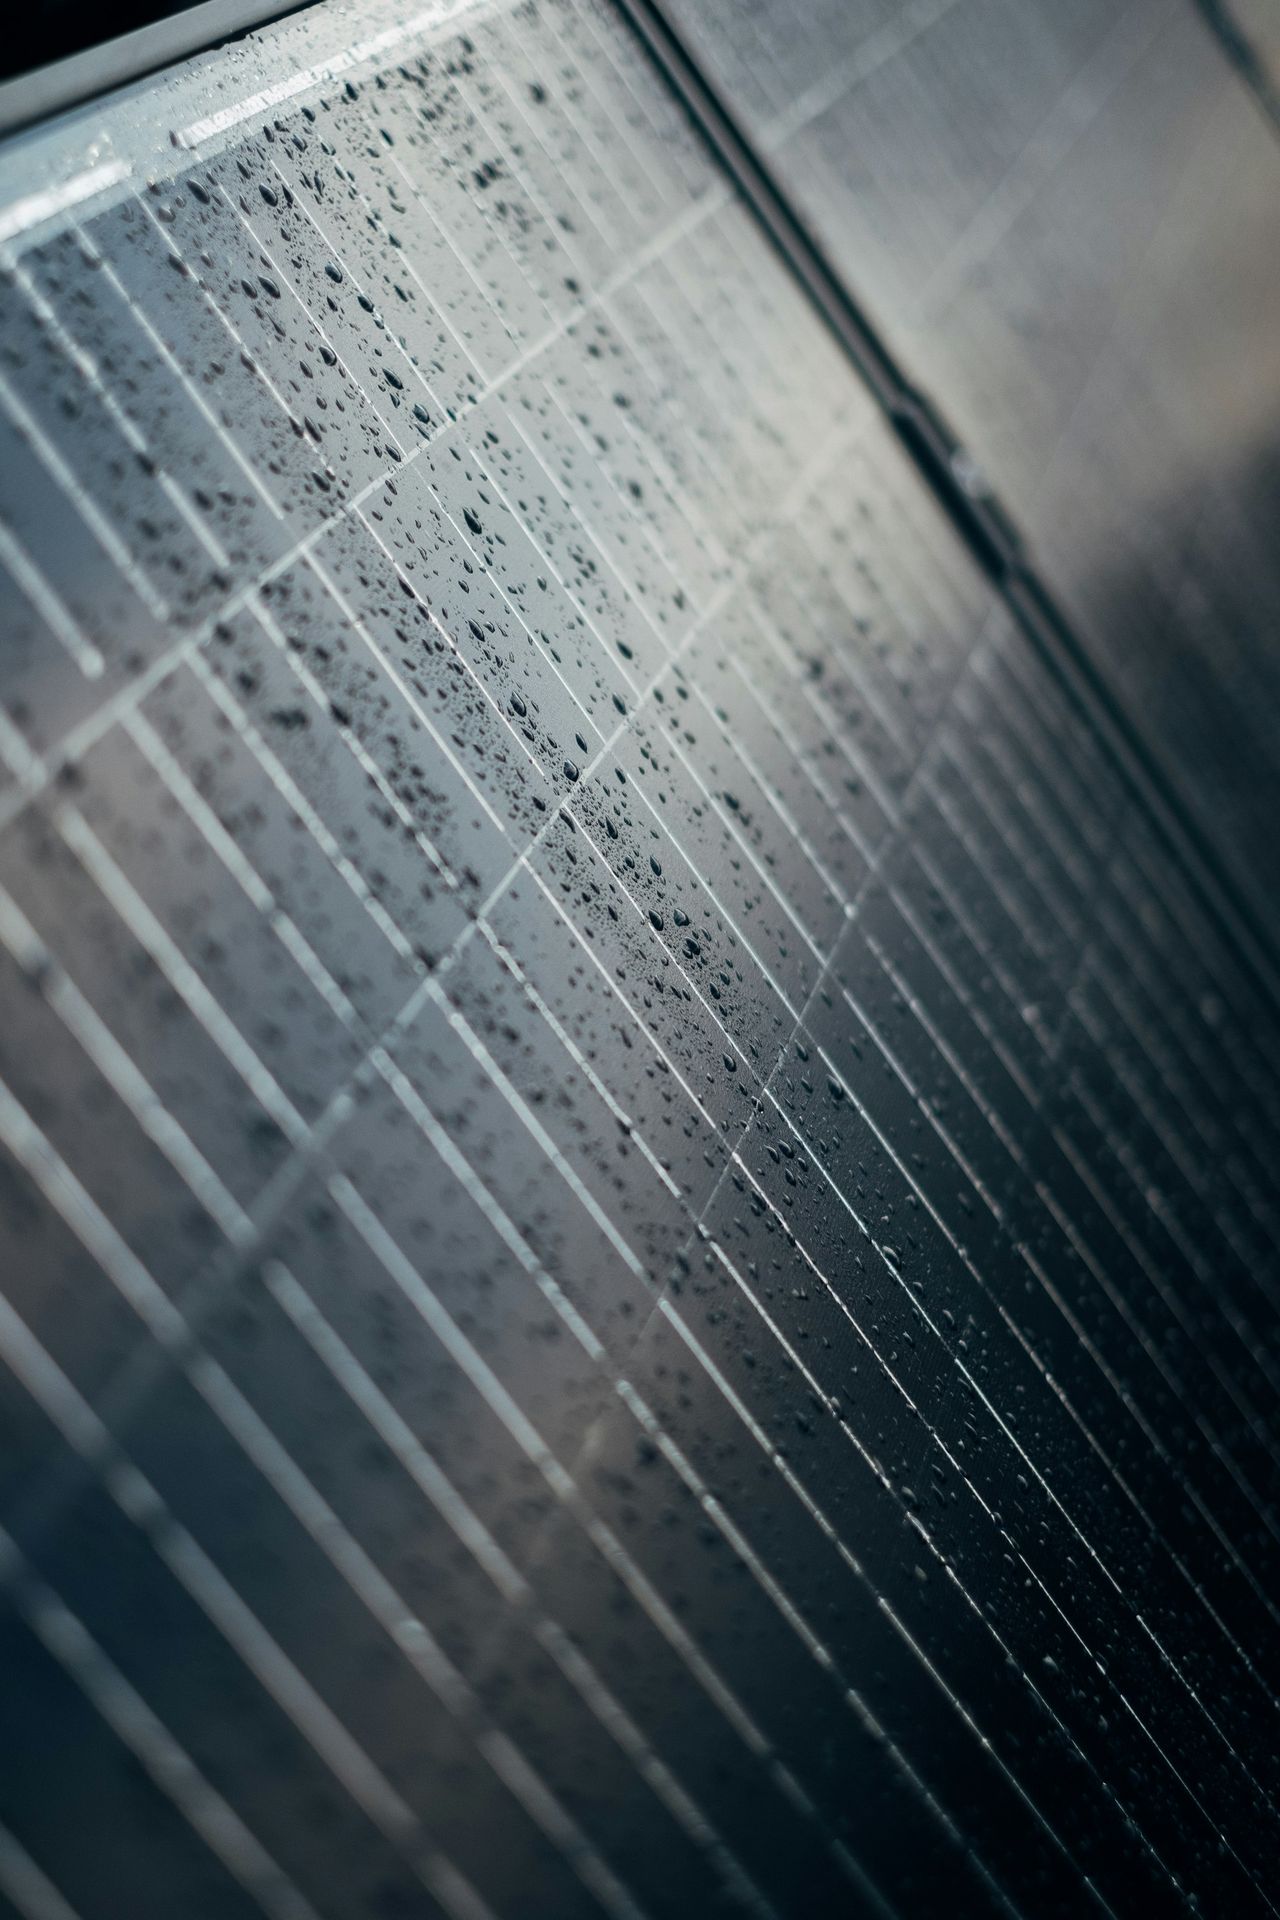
<point x="638" y="1195"/>
<point x="1066" y="220"/>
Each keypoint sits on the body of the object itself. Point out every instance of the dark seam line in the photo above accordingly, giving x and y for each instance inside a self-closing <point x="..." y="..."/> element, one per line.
<point x="958" y="484"/>
<point x="1241" y="53"/>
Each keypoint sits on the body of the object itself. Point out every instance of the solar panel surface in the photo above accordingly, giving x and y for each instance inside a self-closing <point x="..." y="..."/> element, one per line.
<point x="638" y="1195"/>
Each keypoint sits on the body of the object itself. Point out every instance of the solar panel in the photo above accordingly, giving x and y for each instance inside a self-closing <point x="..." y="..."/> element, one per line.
<point x="636" y="1178"/>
